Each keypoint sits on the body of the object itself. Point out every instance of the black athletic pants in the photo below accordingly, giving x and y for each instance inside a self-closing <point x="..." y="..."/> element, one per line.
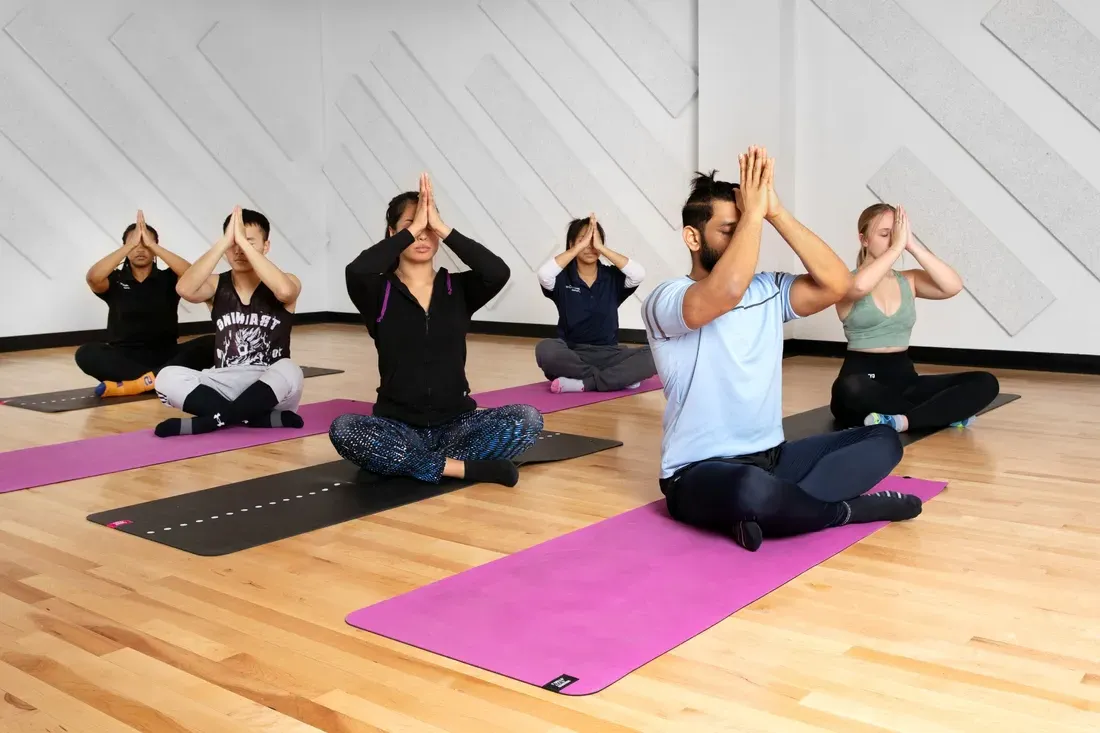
<point x="791" y="489"/>
<point x="889" y="384"/>
<point x="110" y="363"/>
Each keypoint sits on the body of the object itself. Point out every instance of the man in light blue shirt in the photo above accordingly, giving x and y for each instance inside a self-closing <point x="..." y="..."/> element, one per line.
<point x="717" y="340"/>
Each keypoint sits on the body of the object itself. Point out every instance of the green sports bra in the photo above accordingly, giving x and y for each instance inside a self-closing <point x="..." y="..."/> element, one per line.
<point x="867" y="327"/>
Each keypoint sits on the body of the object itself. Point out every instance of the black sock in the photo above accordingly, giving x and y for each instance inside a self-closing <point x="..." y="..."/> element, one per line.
<point x="213" y="411"/>
<point x="492" y="472"/>
<point x="748" y="535"/>
<point x="255" y="402"/>
<point x="276" y="419"/>
<point x="203" y="402"/>
<point x="883" y="506"/>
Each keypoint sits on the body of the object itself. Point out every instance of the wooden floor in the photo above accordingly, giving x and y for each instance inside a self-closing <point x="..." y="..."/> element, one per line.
<point x="983" y="614"/>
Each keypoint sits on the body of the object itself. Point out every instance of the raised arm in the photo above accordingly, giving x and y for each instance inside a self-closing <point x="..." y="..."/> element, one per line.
<point x="721" y="290"/>
<point x="199" y="283"/>
<point x="868" y="277"/>
<point x="175" y="263"/>
<point x="488" y="273"/>
<point x="938" y="280"/>
<point x="98" y="273"/>
<point x="631" y="269"/>
<point x="827" y="280"/>
<point x="284" y="286"/>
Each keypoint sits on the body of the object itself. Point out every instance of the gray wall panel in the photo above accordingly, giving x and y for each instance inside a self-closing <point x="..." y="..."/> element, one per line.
<point x="996" y="278"/>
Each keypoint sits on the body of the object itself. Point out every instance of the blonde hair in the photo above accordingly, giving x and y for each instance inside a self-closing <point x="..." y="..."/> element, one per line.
<point x="866" y="219"/>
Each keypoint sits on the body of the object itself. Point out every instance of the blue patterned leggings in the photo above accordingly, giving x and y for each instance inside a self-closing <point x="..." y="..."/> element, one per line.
<point x="391" y="448"/>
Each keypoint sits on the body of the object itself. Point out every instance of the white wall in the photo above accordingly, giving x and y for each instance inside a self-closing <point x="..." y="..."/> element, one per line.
<point x="851" y="117"/>
<point x="316" y="114"/>
<point x="183" y="110"/>
<point x="525" y="117"/>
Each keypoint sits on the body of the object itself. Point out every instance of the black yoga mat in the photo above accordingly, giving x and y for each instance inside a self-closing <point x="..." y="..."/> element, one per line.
<point x="820" y="420"/>
<point x="250" y="513"/>
<point x="83" y="398"/>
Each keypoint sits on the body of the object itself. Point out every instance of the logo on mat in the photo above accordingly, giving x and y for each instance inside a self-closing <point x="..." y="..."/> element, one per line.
<point x="119" y="523"/>
<point x="560" y="683"/>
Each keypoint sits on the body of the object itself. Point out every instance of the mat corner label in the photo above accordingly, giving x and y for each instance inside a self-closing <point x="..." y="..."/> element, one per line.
<point x="559" y="683"/>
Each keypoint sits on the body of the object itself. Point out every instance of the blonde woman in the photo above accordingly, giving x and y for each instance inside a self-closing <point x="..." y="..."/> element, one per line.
<point x="878" y="383"/>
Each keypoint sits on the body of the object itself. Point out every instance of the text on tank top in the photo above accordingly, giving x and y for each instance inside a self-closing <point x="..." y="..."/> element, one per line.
<point x="257" y="334"/>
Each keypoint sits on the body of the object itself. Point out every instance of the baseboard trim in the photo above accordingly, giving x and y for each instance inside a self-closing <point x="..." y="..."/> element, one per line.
<point x="1033" y="361"/>
<point x="973" y="358"/>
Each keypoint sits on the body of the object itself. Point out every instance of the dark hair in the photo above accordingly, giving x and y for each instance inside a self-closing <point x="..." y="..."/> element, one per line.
<point x="575" y="228"/>
<point x="132" y="227"/>
<point x="397" y="207"/>
<point x="705" y="190"/>
<point x="248" y="216"/>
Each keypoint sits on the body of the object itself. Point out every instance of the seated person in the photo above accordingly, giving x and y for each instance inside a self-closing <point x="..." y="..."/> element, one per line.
<point x="717" y="338"/>
<point x="878" y="383"/>
<point x="425" y="424"/>
<point x="142" y="316"/>
<point x="254" y="381"/>
<point x="586" y="356"/>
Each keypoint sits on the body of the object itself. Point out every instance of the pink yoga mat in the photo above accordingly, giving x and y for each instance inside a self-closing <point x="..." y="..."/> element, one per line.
<point x="539" y="396"/>
<point x="582" y="611"/>
<point x="51" y="464"/>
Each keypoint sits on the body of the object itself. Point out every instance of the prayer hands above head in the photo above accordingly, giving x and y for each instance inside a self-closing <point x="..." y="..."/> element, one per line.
<point x="435" y="222"/>
<point x="144" y="236"/>
<point x="900" y="234"/>
<point x="420" y="216"/>
<point x="594" y="235"/>
<point x="775" y="208"/>
<point x="754" y="187"/>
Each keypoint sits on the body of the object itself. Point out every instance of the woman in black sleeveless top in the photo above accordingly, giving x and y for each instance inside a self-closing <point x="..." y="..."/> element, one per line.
<point x="142" y="316"/>
<point x="253" y="382"/>
<point x="425" y="424"/>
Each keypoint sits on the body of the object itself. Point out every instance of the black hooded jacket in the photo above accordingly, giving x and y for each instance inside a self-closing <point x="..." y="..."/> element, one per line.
<point x="422" y="353"/>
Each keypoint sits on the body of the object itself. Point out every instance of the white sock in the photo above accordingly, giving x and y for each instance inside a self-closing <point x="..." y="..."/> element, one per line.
<point x="634" y="386"/>
<point x="565" y="384"/>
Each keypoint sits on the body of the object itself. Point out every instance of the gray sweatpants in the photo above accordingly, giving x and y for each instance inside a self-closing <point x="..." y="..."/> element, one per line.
<point x="601" y="368"/>
<point x="284" y="377"/>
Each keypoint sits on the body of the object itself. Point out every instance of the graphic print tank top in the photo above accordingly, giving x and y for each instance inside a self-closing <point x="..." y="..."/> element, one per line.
<point x="257" y="334"/>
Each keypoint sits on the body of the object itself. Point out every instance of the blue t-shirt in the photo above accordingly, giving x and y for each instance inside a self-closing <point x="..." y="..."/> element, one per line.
<point x="723" y="382"/>
<point x="589" y="315"/>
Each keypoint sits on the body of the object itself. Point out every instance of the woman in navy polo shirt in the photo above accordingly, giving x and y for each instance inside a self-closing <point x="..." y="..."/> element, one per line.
<point x="586" y="356"/>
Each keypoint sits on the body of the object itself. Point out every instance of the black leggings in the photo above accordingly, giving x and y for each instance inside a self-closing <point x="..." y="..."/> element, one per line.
<point x="889" y="385"/>
<point x="793" y="489"/>
<point x="110" y="363"/>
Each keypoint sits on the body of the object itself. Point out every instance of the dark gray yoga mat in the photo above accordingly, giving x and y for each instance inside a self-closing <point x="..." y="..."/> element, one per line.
<point x="235" y="517"/>
<point x="84" y="398"/>
<point x="820" y="420"/>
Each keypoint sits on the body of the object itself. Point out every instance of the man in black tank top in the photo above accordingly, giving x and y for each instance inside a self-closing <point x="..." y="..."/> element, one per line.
<point x="253" y="382"/>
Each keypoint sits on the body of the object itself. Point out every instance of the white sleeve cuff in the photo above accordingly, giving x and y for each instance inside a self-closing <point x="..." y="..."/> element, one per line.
<point x="548" y="274"/>
<point x="634" y="273"/>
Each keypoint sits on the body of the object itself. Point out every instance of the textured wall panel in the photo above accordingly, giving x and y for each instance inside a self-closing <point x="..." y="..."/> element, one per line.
<point x="996" y="278"/>
<point x="644" y="50"/>
<point x="29" y="229"/>
<point x="158" y="54"/>
<point x="484" y="176"/>
<point x="356" y="191"/>
<point x="1055" y="46"/>
<point x="561" y="170"/>
<point x="119" y="117"/>
<point x="1022" y="162"/>
<point x="254" y="73"/>
<point x="31" y="128"/>
<point x="404" y="166"/>
<point x="606" y="116"/>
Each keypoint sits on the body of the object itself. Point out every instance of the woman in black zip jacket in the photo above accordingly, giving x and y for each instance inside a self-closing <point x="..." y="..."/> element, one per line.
<point x="425" y="424"/>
